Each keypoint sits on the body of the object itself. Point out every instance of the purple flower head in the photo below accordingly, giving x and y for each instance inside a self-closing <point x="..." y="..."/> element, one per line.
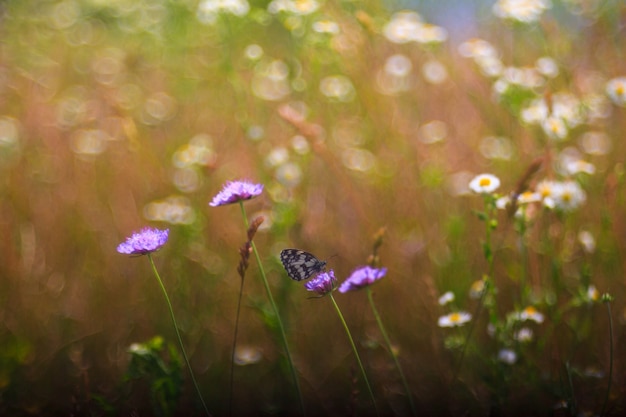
<point x="235" y="191"/>
<point x="322" y="283"/>
<point x="362" y="277"/>
<point x="146" y="241"/>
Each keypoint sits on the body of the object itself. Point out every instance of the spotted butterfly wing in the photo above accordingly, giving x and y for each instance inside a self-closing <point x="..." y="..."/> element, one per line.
<point x="301" y="265"/>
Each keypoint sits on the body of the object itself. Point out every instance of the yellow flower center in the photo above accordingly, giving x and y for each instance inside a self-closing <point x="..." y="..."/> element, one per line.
<point x="484" y="182"/>
<point x="455" y="317"/>
<point x="478" y="286"/>
<point x="545" y="192"/>
<point x="530" y="310"/>
<point x="554" y="126"/>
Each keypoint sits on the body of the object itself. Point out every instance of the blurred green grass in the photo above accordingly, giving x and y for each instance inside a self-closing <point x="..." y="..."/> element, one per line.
<point x="109" y="107"/>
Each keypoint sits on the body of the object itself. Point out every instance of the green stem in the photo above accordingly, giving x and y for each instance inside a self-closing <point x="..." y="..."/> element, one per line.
<point x="356" y="353"/>
<point x="477" y="312"/>
<point x="180" y="340"/>
<point x="572" y="402"/>
<point x="488" y="282"/>
<point x="490" y="207"/>
<point x="608" y="388"/>
<point x="275" y="308"/>
<point x="525" y="289"/>
<point x="524" y="282"/>
<point x="390" y="348"/>
<point x="232" y="359"/>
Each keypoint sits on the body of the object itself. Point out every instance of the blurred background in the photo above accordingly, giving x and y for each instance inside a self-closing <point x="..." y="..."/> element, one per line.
<point x="358" y="118"/>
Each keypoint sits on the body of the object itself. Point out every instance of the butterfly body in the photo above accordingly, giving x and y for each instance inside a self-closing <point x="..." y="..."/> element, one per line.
<point x="301" y="265"/>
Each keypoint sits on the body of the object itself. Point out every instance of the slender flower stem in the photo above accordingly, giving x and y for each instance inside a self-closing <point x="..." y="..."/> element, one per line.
<point x="275" y="308"/>
<point x="479" y="309"/>
<point x="571" y="404"/>
<point x="487" y="282"/>
<point x="490" y="226"/>
<point x="232" y="359"/>
<point x="356" y="353"/>
<point x="523" y="245"/>
<point x="390" y="348"/>
<point x="608" y="388"/>
<point x="180" y="340"/>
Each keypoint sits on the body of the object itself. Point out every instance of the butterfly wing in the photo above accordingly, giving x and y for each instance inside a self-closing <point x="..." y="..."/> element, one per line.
<point x="300" y="265"/>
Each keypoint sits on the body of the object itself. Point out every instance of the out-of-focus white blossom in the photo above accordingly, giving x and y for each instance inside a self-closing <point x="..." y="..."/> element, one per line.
<point x="524" y="11"/>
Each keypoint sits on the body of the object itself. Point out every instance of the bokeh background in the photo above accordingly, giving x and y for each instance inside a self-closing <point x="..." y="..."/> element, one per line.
<point x="119" y="114"/>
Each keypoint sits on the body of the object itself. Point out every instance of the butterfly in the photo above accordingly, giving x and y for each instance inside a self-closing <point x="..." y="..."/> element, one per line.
<point x="301" y="265"/>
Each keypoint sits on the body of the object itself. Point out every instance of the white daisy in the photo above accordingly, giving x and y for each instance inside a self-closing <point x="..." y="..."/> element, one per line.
<point x="484" y="184"/>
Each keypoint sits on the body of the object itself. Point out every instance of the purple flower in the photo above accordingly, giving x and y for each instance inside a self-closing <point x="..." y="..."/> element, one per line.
<point x="235" y="191"/>
<point x="362" y="277"/>
<point x="146" y="241"/>
<point x="322" y="283"/>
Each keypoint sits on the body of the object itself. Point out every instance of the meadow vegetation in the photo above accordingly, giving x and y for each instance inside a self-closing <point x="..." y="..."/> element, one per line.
<point x="477" y="171"/>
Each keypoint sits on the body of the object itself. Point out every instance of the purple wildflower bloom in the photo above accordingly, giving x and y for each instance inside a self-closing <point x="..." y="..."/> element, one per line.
<point x="235" y="191"/>
<point x="146" y="241"/>
<point x="322" y="283"/>
<point x="362" y="277"/>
